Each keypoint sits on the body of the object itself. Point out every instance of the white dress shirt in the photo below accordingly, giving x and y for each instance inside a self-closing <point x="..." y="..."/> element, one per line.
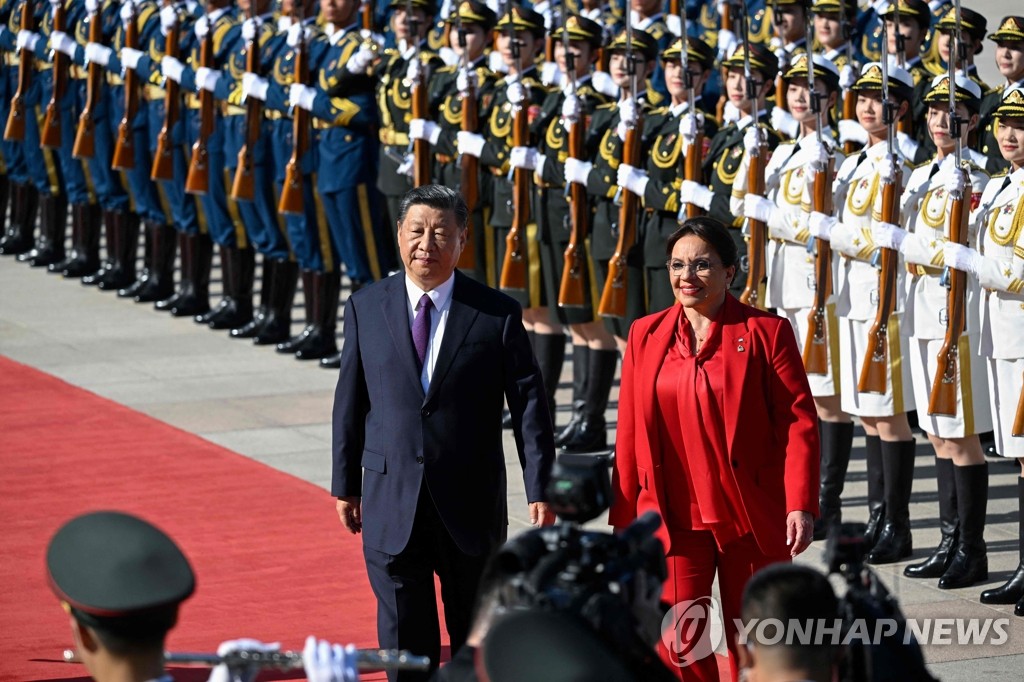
<point x="441" y="297"/>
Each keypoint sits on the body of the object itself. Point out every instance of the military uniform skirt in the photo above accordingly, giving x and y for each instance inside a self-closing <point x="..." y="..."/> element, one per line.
<point x="853" y="347"/>
<point x="973" y="413"/>
<point x="603" y="243"/>
<point x="822" y="385"/>
<point x="1006" y="379"/>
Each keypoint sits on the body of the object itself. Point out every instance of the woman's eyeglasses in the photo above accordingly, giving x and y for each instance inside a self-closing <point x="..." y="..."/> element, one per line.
<point x="699" y="267"/>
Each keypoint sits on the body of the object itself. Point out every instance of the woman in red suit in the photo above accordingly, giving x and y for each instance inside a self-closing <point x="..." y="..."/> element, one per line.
<point x="717" y="432"/>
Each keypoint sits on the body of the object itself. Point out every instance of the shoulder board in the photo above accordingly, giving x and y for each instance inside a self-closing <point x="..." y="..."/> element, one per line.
<point x="1001" y="173"/>
<point x="657" y="30"/>
<point x="654" y="98"/>
<point x="994" y="90"/>
<point x="785" y="143"/>
<point x="608" y="105"/>
<point x="658" y="111"/>
<point x="919" y="74"/>
<point x="447" y="69"/>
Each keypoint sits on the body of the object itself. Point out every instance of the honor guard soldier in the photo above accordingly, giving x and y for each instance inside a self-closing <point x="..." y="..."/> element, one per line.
<point x="458" y="91"/>
<point x="121" y="581"/>
<point x="790" y="18"/>
<point x="905" y="42"/>
<point x="930" y="49"/>
<point x="996" y="262"/>
<point x="650" y="17"/>
<point x="868" y="32"/>
<point x="11" y="239"/>
<point x="833" y="34"/>
<point x="971" y="29"/>
<point x="1009" y="56"/>
<point x="860" y="184"/>
<point x="934" y="197"/>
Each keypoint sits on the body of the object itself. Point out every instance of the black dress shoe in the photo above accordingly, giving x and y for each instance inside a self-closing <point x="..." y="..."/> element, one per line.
<point x="331" y="361"/>
<point x="591" y="436"/>
<point x="966" y="569"/>
<point x="1010" y="592"/>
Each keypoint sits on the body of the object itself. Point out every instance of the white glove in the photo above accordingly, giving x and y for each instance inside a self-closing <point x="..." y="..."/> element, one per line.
<point x="731" y="113"/>
<point x="887" y="170"/>
<point x="604" y="84"/>
<point x="92" y="6"/>
<point x="695" y="193"/>
<point x="689" y="126"/>
<point x="376" y="38"/>
<point x="254" y="86"/>
<point x="784" y="122"/>
<point x="847" y="77"/>
<point x="26" y="40"/>
<point x="296" y="34"/>
<point x="550" y="75"/>
<point x="421" y="129"/>
<point x="820" y="225"/>
<point x="244" y="673"/>
<point x="127" y="10"/>
<point x="727" y="43"/>
<point x="572" y="111"/>
<point x="577" y="171"/>
<point x="202" y="27"/>
<point x="301" y="96"/>
<point x="406" y="167"/>
<point x="467" y="82"/>
<point x="361" y="60"/>
<point x="752" y="138"/>
<point x="415" y="72"/>
<point x="674" y="25"/>
<point x="960" y="257"/>
<point x="516" y="93"/>
<point x="758" y="208"/>
<point x="130" y="57"/>
<point x="852" y="131"/>
<point x="170" y="67"/>
<point x="62" y="42"/>
<point x="206" y="79"/>
<point x="470" y="143"/>
<point x="329" y="663"/>
<point x="449" y="56"/>
<point x="523" y="157"/>
<point x="887" y="235"/>
<point x="627" y="117"/>
<point x="250" y="28"/>
<point x="632" y="179"/>
<point x="168" y="19"/>
<point x="284" y="23"/>
<point x="98" y="54"/>
<point x="908" y="145"/>
<point x="954" y="181"/>
<point x="818" y="154"/>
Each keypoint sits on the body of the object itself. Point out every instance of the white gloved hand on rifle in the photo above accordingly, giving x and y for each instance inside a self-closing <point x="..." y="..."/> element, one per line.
<point x="26" y="40"/>
<point x="632" y="179"/>
<point x="695" y="193"/>
<point x="422" y="129"/>
<point x="170" y="67"/>
<point x="325" y="662"/>
<point x="254" y="86"/>
<point x="577" y="171"/>
<point x="820" y="225"/>
<point x="759" y="208"/>
<point x="960" y="257"/>
<point x="467" y="81"/>
<point x="206" y="79"/>
<point x="130" y="57"/>
<point x="62" y="42"/>
<point x="361" y="60"/>
<point x="243" y="672"/>
<point x="887" y="236"/>
<point x="98" y="54"/>
<point x="301" y="96"/>
<point x="168" y="18"/>
<point x="524" y="157"/>
<point x="470" y="143"/>
<point x="784" y="122"/>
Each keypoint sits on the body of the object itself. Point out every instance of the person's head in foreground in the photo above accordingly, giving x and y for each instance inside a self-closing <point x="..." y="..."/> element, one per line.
<point x="787" y="595"/>
<point x="431" y="234"/>
<point x="121" y="580"/>
<point x="702" y="261"/>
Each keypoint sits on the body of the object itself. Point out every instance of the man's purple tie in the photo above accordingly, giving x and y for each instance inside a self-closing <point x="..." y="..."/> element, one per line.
<point x="421" y="327"/>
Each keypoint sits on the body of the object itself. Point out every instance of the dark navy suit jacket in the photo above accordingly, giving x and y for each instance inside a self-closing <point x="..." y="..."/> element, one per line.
<point x="390" y="439"/>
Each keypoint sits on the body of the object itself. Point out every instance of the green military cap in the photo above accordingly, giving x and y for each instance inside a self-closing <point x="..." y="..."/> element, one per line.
<point x="473" y="12"/>
<point x="643" y="42"/>
<point x="428" y="6"/>
<point x="835" y="7"/>
<point x="901" y="83"/>
<point x="761" y="59"/>
<point x="119" y="573"/>
<point x="523" y="19"/>
<point x="1012" y="105"/>
<point x="1010" y="29"/>
<point x="823" y="69"/>
<point x="581" y="28"/>
<point x="912" y="9"/>
<point x="696" y="50"/>
<point x="967" y="91"/>
<point x="973" y="23"/>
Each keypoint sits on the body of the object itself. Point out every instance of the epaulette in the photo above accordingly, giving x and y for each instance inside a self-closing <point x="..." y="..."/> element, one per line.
<point x="657" y="30"/>
<point x="999" y="174"/>
<point x="448" y="68"/>
<point x="918" y="76"/>
<point x="607" y="105"/>
<point x="654" y="98"/>
<point x="658" y="111"/>
<point x="786" y="142"/>
<point x="994" y="90"/>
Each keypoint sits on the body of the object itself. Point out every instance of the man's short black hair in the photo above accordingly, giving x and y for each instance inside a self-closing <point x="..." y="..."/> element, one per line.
<point x="438" y="197"/>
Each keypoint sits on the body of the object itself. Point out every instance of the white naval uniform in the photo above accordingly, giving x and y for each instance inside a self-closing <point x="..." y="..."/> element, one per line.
<point x="1000" y="220"/>
<point x="926" y="209"/>
<point x="791" y="276"/>
<point x="858" y="202"/>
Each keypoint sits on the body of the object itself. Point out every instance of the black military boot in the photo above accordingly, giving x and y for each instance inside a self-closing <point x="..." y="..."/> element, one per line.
<point x="126" y="250"/>
<point x="194" y="295"/>
<point x="5" y="189"/>
<point x="1012" y="590"/>
<point x="143" y="275"/>
<point x="109" y="232"/>
<point x="876" y="490"/>
<point x="938" y="561"/>
<point x="550" y="352"/>
<point x="592" y="434"/>
<point x="894" y="542"/>
<point x="236" y="308"/>
<point x="85" y="243"/>
<point x="159" y="284"/>
<point x="836" y="444"/>
<point x="18" y="239"/>
<point x="970" y="562"/>
<point x="277" y="325"/>
<point x="295" y="342"/>
<point x="53" y="224"/>
<point x="580" y="361"/>
<point x="259" y="316"/>
<point x="321" y="341"/>
<point x="165" y="304"/>
<point x="10" y="194"/>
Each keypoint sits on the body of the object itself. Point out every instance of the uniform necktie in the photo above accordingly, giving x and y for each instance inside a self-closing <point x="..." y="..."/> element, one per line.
<point x="421" y="327"/>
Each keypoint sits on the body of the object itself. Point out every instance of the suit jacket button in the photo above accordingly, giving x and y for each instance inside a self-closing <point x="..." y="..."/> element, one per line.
<point x="425" y="411"/>
<point x="419" y="460"/>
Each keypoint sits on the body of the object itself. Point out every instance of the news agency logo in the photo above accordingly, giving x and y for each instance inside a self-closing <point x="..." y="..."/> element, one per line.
<point x="693" y="630"/>
<point x="927" y="631"/>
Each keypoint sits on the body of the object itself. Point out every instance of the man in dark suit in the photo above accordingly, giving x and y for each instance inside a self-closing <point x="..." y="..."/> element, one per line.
<point x="429" y="356"/>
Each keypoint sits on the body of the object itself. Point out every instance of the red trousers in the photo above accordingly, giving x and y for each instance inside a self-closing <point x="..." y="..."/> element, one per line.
<point x="692" y="565"/>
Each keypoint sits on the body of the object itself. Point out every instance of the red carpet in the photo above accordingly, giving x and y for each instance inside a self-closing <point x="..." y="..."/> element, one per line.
<point x="271" y="558"/>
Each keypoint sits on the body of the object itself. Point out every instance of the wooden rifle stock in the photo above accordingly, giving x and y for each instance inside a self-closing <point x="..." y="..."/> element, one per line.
<point x="849" y="114"/>
<point x="420" y="148"/>
<point x="244" y="185"/>
<point x="292" y="201"/>
<point x="692" y="169"/>
<point x="15" y="130"/>
<point x="124" y="150"/>
<point x="469" y="182"/>
<point x="85" y="135"/>
<point x="942" y="399"/>
<point x="572" y="290"/>
<point x="513" y="269"/>
<point x="1018" y="418"/>
<point x="874" y="371"/>
<point x="753" y="293"/>
<point x="817" y="342"/>
<point x="613" y="297"/>
<point x="198" y="180"/>
<point x="163" y="159"/>
<point x="726" y="25"/>
<point x="50" y="135"/>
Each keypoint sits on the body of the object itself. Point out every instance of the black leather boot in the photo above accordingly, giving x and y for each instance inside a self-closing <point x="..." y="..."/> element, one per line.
<point x="159" y="281"/>
<point x="103" y="271"/>
<point x="126" y="250"/>
<point x="277" y="326"/>
<point x="194" y="294"/>
<point x="18" y="239"/>
<point x="550" y="352"/>
<point x="876" y="490"/>
<point x="10" y="235"/>
<point x="5" y="189"/>
<point x="580" y="363"/>
<point x="1012" y="590"/>
<point x="259" y="316"/>
<point x="295" y="342"/>
<point x="53" y="228"/>
<point x="894" y="543"/>
<point x="236" y="308"/>
<point x="84" y="258"/>
<point x="592" y="434"/>
<point x="165" y="304"/>
<point x="321" y="341"/>
<point x="836" y="444"/>
<point x="143" y="275"/>
<point x="938" y="561"/>
<point x="970" y="562"/>
<point x="225" y="278"/>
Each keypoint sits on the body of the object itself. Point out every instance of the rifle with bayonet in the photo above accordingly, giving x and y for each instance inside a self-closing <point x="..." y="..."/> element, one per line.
<point x="198" y="179"/>
<point x="849" y="97"/>
<point x="469" y="166"/>
<point x="692" y="159"/>
<point x="50" y="135"/>
<point x="163" y="159"/>
<point x="513" y="268"/>
<point x="418" y="93"/>
<point x="756" y="230"/>
<point x="244" y="185"/>
<point x="573" y="287"/>
<point x="906" y="124"/>
<point x="124" y="149"/>
<point x="15" y="130"/>
<point x="292" y="200"/>
<point x="85" y="135"/>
